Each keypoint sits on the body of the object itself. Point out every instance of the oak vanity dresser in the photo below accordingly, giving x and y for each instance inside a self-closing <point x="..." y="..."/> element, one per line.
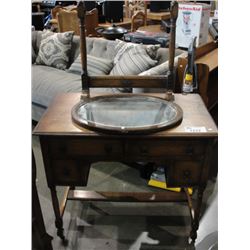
<point x="68" y="152"/>
<point x="185" y="150"/>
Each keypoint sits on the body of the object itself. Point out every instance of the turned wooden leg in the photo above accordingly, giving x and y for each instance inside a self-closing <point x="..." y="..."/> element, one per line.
<point x="38" y="228"/>
<point x="197" y="210"/>
<point x="40" y="238"/>
<point x="59" y="221"/>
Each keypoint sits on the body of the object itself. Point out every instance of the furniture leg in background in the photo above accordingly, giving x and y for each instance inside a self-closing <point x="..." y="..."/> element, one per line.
<point x="40" y="239"/>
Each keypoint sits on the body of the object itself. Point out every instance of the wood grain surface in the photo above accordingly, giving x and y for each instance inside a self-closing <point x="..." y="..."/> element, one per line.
<point x="57" y="119"/>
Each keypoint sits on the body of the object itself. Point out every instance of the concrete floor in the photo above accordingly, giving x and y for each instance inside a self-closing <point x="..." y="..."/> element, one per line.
<point x="126" y="226"/>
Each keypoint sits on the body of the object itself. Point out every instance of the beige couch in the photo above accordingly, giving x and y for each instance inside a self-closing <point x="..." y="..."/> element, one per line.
<point x="48" y="81"/>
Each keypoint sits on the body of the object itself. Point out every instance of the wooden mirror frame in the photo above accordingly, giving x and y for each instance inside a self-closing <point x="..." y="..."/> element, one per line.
<point x="134" y="81"/>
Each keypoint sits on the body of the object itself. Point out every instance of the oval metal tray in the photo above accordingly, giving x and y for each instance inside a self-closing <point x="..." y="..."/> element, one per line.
<point x="137" y="114"/>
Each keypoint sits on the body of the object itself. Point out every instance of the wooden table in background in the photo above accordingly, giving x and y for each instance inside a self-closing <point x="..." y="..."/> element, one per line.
<point x="211" y="90"/>
<point x="158" y="16"/>
<point x="68" y="152"/>
<point x="126" y="23"/>
<point x="157" y="29"/>
<point x="151" y="28"/>
<point x="211" y="59"/>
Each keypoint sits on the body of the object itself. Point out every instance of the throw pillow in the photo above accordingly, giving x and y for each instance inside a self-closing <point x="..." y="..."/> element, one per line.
<point x="95" y="66"/>
<point x="163" y="68"/>
<point x="133" y="61"/>
<point x="54" y="49"/>
<point x="152" y="50"/>
<point x="121" y="47"/>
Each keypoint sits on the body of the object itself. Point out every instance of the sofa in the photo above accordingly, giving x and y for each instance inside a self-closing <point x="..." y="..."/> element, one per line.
<point x="51" y="78"/>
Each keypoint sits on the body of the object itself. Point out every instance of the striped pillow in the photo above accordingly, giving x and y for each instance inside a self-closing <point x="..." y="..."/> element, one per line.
<point x="134" y="60"/>
<point x="162" y="68"/>
<point x="121" y="47"/>
<point x="95" y="66"/>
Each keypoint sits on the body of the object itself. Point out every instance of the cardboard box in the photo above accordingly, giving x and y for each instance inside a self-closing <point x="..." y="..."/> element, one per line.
<point x="193" y="20"/>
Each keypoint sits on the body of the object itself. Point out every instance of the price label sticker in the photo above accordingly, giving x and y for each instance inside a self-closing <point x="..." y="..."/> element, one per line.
<point x="195" y="129"/>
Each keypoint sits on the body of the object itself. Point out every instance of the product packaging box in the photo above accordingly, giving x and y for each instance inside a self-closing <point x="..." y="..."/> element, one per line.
<point x="193" y="20"/>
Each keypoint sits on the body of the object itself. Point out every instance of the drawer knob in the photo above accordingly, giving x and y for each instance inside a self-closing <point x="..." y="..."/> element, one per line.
<point x="187" y="174"/>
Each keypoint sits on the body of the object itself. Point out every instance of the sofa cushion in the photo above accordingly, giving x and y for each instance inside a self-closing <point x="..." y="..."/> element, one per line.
<point x="54" y="49"/>
<point x="75" y="49"/>
<point x="33" y="55"/>
<point x="95" y="66"/>
<point x="133" y="61"/>
<point x="36" y="40"/>
<point x="47" y="82"/>
<point x="100" y="47"/>
<point x="162" y="69"/>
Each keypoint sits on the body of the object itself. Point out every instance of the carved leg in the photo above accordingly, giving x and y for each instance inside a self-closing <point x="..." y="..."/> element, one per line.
<point x="59" y="221"/>
<point x="195" y="221"/>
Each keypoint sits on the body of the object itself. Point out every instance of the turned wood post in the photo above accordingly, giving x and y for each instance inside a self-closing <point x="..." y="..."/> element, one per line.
<point x="171" y="72"/>
<point x="197" y="213"/>
<point x="81" y="12"/>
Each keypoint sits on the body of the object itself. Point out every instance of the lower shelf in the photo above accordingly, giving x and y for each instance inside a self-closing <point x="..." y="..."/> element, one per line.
<point x="166" y="196"/>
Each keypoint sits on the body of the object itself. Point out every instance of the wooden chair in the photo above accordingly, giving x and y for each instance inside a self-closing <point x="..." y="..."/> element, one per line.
<point x="131" y="7"/>
<point x="58" y="8"/>
<point x="138" y="19"/>
<point x="68" y="21"/>
<point x="91" y="22"/>
<point x="53" y="22"/>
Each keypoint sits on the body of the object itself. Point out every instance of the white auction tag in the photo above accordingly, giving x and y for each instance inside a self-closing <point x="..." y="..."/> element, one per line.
<point x="195" y="129"/>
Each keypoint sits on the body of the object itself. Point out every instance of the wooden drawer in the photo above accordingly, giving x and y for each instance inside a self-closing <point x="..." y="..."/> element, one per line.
<point x="184" y="173"/>
<point x="70" y="172"/>
<point x="163" y="149"/>
<point x="76" y="147"/>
